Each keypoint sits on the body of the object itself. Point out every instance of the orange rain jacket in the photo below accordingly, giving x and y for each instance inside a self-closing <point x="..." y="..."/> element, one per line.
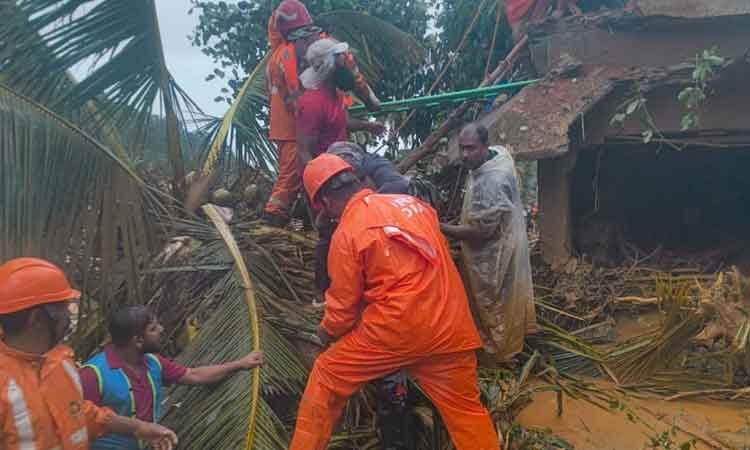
<point x="283" y="86"/>
<point x="397" y="302"/>
<point x="391" y="262"/>
<point x="42" y="405"/>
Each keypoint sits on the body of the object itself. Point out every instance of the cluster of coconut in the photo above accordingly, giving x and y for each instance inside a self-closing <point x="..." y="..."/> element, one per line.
<point x="222" y="196"/>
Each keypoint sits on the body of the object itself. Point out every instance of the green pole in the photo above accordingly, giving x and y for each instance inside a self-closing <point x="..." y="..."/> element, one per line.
<point x="435" y="100"/>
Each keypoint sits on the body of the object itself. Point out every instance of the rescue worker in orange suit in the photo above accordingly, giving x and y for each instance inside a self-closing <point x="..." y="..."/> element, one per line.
<point x="41" y="400"/>
<point x="392" y="394"/>
<point x="396" y="301"/>
<point x="290" y="33"/>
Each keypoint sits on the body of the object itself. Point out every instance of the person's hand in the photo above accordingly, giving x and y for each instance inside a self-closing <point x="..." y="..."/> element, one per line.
<point x="376" y="128"/>
<point x="157" y="436"/>
<point x="251" y="360"/>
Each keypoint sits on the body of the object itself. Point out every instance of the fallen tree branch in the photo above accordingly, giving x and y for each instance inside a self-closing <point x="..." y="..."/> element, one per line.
<point x="428" y="146"/>
<point x="737" y="393"/>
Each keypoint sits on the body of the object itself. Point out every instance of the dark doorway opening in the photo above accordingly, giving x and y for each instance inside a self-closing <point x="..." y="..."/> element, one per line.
<point x="635" y="200"/>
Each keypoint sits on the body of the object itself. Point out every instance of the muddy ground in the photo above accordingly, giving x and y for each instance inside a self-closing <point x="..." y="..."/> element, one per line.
<point x="636" y="422"/>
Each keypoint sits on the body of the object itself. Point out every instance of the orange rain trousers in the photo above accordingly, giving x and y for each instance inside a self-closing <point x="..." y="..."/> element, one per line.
<point x="289" y="181"/>
<point x="450" y="381"/>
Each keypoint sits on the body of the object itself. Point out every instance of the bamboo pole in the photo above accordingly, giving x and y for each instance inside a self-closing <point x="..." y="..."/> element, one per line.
<point x="428" y="146"/>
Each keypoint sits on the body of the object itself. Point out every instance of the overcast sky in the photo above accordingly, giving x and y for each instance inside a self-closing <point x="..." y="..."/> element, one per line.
<point x="188" y="65"/>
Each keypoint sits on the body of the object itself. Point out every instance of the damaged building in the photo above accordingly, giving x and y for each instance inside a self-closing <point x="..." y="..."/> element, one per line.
<point x="618" y="176"/>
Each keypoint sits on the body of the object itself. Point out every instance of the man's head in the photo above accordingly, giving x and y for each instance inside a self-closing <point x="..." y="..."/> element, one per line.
<point x="330" y="183"/>
<point x="136" y="327"/>
<point x="327" y="65"/>
<point x="474" y="144"/>
<point x="35" y="303"/>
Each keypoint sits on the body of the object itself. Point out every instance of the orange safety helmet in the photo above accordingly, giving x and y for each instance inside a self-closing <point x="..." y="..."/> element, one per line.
<point x="291" y="15"/>
<point x="29" y="282"/>
<point x="319" y="171"/>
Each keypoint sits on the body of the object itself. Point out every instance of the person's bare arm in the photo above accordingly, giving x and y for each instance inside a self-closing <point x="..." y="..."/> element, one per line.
<point x="218" y="372"/>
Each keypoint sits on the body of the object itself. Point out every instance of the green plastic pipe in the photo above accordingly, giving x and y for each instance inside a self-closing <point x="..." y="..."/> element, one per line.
<point x="434" y="100"/>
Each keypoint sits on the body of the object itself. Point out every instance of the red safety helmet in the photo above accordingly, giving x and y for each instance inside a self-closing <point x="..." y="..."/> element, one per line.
<point x="291" y="15"/>
<point x="319" y="171"/>
<point x="29" y="282"/>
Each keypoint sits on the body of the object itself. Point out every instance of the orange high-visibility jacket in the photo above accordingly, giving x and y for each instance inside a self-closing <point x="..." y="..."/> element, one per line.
<point x="283" y="89"/>
<point x="393" y="281"/>
<point x="42" y="405"/>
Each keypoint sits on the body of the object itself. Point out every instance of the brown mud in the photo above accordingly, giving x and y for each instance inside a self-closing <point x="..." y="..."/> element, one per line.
<point x="712" y="424"/>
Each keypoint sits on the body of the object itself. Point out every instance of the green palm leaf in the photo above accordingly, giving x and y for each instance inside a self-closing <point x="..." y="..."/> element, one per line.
<point x="249" y="294"/>
<point x="120" y="40"/>
<point x="30" y="76"/>
<point x="247" y="139"/>
<point x="377" y="44"/>
<point x="220" y="416"/>
<point x="240" y="136"/>
<point x="68" y="198"/>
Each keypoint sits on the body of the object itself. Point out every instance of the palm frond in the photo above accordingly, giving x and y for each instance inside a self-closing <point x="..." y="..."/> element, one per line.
<point x="31" y="78"/>
<point x="249" y="294"/>
<point x="251" y="142"/>
<point x="377" y="44"/>
<point x="220" y="416"/>
<point x="121" y="42"/>
<point x="238" y="139"/>
<point x="68" y="198"/>
<point x="25" y="61"/>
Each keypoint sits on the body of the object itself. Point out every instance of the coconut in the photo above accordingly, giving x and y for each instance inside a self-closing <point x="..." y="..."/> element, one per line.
<point x="221" y="197"/>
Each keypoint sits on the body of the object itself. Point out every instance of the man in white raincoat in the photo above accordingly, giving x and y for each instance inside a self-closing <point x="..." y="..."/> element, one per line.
<point x="494" y="246"/>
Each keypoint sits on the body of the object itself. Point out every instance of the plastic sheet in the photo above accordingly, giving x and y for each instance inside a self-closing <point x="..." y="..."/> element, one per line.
<point x="498" y="271"/>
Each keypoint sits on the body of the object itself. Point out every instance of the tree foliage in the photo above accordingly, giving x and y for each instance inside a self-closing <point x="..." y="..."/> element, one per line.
<point x="235" y="36"/>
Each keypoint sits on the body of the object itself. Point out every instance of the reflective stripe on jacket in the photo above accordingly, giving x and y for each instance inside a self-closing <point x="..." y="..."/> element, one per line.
<point x="42" y="405"/>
